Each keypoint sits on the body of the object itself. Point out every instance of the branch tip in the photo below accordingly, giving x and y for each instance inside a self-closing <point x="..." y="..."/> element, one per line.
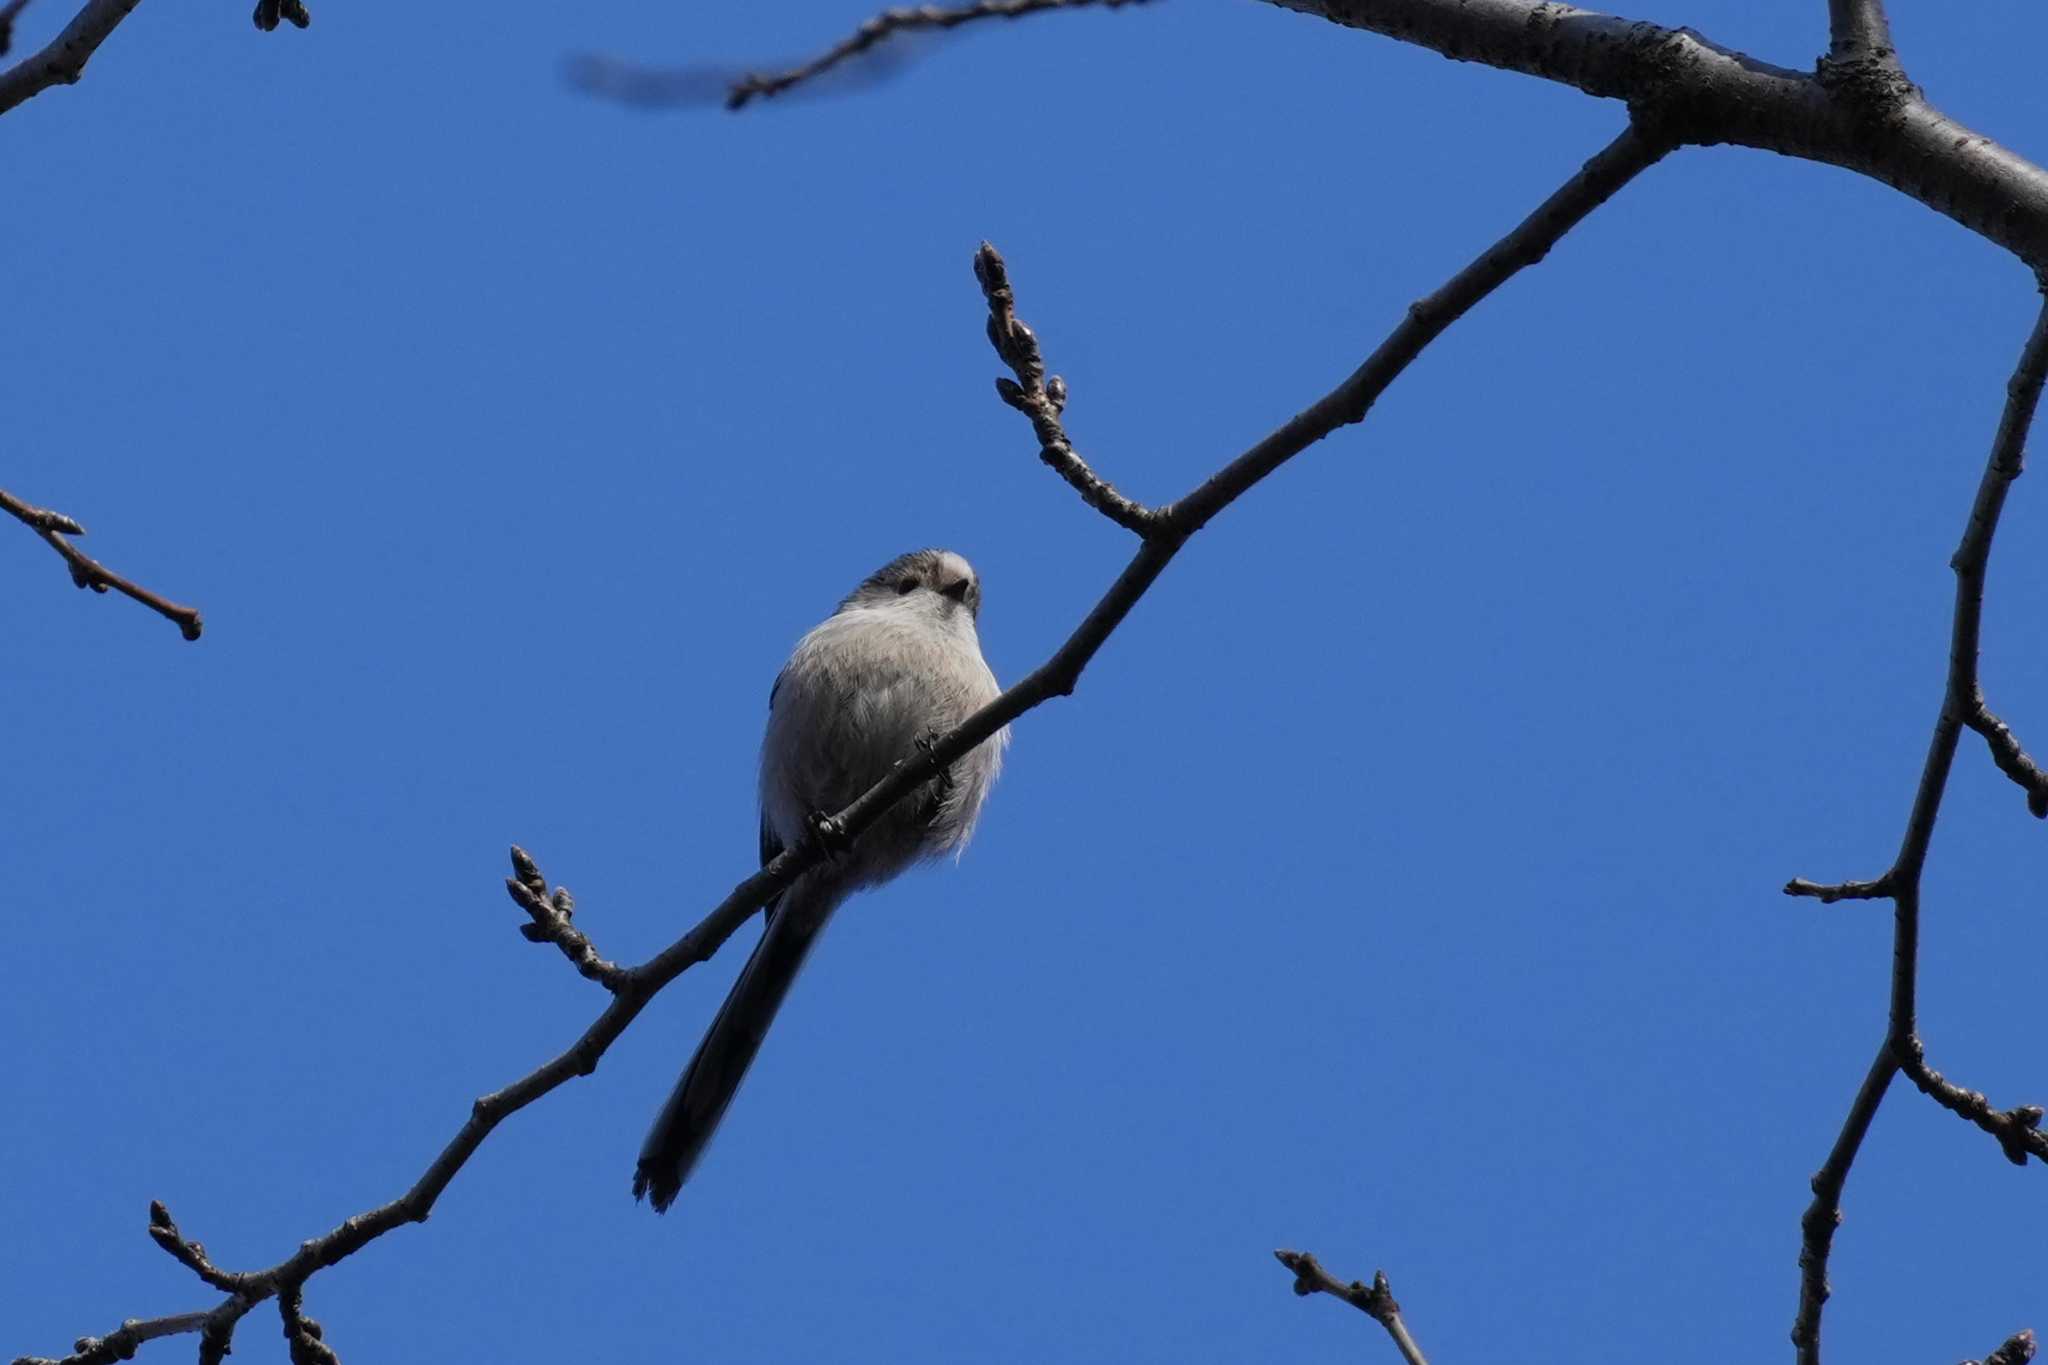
<point x="1827" y="893"/>
<point x="1043" y="400"/>
<point x="1375" y="1300"/>
<point x="86" y="572"/>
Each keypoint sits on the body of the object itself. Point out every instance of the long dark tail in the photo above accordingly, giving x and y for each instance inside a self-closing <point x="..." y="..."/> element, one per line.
<point x="713" y="1076"/>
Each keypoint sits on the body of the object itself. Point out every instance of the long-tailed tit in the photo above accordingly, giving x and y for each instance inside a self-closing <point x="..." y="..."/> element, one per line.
<point x="899" y="663"/>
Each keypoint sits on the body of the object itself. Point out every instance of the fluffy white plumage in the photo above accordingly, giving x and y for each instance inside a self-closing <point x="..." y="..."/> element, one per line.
<point x="899" y="662"/>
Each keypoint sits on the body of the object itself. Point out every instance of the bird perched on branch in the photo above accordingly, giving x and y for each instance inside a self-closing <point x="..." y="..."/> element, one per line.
<point x="897" y="665"/>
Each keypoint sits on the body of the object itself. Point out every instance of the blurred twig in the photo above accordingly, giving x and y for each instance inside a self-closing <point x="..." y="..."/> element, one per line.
<point x="873" y="53"/>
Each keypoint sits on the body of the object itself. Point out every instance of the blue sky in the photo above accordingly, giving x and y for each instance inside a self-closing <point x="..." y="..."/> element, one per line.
<point x="1401" y="884"/>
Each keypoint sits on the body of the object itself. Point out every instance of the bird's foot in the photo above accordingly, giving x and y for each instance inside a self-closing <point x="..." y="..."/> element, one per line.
<point x="944" y="781"/>
<point x="830" y="834"/>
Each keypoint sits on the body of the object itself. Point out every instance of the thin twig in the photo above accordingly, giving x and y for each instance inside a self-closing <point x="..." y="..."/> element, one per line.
<point x="2016" y="1349"/>
<point x="121" y="1344"/>
<point x="192" y="1255"/>
<point x="889" y="23"/>
<point x="2018" y="1130"/>
<point x="1830" y="892"/>
<point x="62" y="61"/>
<point x="552" y="915"/>
<point x="1629" y="154"/>
<point x="1375" y="1300"/>
<point x="301" y="1333"/>
<point x="1043" y="400"/>
<point x="2012" y="760"/>
<point x="86" y="572"/>
<point x="1962" y="699"/>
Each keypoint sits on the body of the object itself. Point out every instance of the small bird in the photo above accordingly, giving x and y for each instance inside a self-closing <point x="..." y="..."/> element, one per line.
<point x="898" y="664"/>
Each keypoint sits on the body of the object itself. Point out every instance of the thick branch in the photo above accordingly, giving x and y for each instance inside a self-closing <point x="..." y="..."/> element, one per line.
<point x="1858" y="31"/>
<point x="1962" y="700"/>
<point x="63" y="61"/>
<point x="1704" y="93"/>
<point x="53" y="527"/>
<point x="1375" y="1300"/>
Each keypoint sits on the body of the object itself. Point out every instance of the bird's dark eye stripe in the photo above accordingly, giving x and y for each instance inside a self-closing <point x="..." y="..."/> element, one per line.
<point x="908" y="585"/>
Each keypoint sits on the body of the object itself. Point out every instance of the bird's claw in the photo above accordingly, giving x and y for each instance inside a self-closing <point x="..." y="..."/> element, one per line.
<point x="926" y="743"/>
<point x="830" y="834"/>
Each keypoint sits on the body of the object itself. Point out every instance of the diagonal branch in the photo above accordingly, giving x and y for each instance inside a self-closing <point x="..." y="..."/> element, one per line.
<point x="890" y="23"/>
<point x="631" y="989"/>
<point x="53" y="527"/>
<point x="1623" y="159"/>
<point x="1962" y="699"/>
<point x="1375" y="1300"/>
<point x="63" y="60"/>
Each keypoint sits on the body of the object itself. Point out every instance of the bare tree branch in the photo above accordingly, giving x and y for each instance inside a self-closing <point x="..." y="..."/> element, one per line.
<point x="877" y="51"/>
<point x="891" y="23"/>
<point x="1962" y="698"/>
<point x="1042" y="399"/>
<point x="1880" y="889"/>
<point x="53" y="527"/>
<point x="63" y="60"/>
<point x="122" y="1343"/>
<point x="2018" y="1130"/>
<point x="551" y="922"/>
<point x="1376" y="1300"/>
<point x="1703" y="93"/>
<point x="1858" y="30"/>
<point x="631" y="988"/>
<point x="301" y="1333"/>
<point x="2016" y="1349"/>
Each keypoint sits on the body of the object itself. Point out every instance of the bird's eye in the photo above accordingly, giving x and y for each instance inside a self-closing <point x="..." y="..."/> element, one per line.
<point x="906" y="587"/>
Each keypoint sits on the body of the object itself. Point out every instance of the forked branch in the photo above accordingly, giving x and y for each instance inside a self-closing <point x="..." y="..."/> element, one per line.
<point x="1962" y="703"/>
